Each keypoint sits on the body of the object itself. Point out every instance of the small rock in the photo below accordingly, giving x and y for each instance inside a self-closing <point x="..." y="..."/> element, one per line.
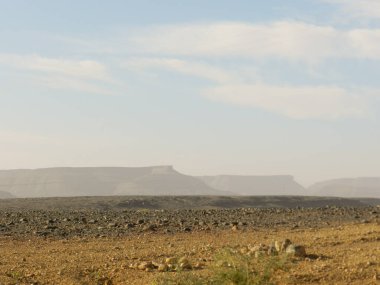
<point x="151" y="227"/>
<point x="285" y="244"/>
<point x="145" y="265"/>
<point x="244" y="250"/>
<point x="185" y="266"/>
<point x="183" y="260"/>
<point x="198" y="265"/>
<point x="296" y="250"/>
<point x="272" y="250"/>
<point x="163" y="267"/>
<point x="171" y="260"/>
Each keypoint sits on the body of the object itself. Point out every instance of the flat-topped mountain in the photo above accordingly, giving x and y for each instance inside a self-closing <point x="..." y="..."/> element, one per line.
<point x="348" y="187"/>
<point x="255" y="185"/>
<point x="101" y="181"/>
<point x="166" y="181"/>
<point x="6" y="195"/>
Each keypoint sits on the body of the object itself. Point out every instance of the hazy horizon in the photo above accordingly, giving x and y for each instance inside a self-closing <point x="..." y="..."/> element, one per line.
<point x="210" y="87"/>
<point x="199" y="175"/>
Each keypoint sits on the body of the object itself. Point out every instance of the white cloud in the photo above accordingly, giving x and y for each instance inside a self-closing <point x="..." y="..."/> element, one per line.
<point x="68" y="83"/>
<point x="367" y="9"/>
<point x="298" y="102"/>
<point x="192" y="68"/>
<point x="289" y="40"/>
<point x="87" y="69"/>
<point x="305" y="102"/>
<point x="79" y="75"/>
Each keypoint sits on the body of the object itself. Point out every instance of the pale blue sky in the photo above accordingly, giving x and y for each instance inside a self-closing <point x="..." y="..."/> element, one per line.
<point x="211" y="87"/>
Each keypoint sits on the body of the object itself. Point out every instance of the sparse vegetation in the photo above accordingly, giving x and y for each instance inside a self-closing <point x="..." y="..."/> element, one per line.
<point x="93" y="276"/>
<point x="231" y="267"/>
<point x="337" y="253"/>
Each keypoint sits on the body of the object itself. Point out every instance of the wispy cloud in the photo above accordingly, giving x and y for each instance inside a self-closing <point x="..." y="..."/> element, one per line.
<point x="288" y="40"/>
<point x="298" y="102"/>
<point x="198" y="43"/>
<point x="191" y="49"/>
<point x="57" y="73"/>
<point x="88" y="69"/>
<point x="193" y="68"/>
<point x="68" y="83"/>
<point x="361" y="9"/>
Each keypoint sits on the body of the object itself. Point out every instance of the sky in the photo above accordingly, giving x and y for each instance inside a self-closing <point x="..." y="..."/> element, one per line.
<point x="212" y="87"/>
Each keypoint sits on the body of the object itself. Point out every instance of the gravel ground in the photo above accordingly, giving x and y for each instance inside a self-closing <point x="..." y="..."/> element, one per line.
<point x="108" y="223"/>
<point x="341" y="255"/>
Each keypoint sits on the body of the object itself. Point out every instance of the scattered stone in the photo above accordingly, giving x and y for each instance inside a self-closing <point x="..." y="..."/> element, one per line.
<point x="183" y="260"/>
<point x="113" y="223"/>
<point x="376" y="276"/>
<point x="272" y="250"/>
<point x="277" y="245"/>
<point x="171" y="260"/>
<point x="163" y="267"/>
<point x="296" y="250"/>
<point x="145" y="265"/>
<point x="198" y="265"/>
<point x="150" y="227"/>
<point x="185" y="266"/>
<point x="285" y="244"/>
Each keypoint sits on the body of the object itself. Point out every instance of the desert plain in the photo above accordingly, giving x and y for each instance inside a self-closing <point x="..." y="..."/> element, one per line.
<point x="127" y="246"/>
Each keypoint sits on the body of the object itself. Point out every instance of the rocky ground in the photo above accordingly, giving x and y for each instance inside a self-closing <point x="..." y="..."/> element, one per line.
<point x="96" y="223"/>
<point x="107" y="247"/>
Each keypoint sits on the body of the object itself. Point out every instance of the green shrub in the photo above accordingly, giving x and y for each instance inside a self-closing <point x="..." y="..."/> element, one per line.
<point x="231" y="268"/>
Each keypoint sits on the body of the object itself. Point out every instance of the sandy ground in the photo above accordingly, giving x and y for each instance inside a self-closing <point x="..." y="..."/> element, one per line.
<point x="345" y="254"/>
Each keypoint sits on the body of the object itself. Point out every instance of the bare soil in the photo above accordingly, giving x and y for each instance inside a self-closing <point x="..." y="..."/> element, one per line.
<point x="345" y="252"/>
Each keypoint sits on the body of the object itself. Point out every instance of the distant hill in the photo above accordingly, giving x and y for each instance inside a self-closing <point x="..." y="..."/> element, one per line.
<point x="101" y="181"/>
<point x="166" y="181"/>
<point x="255" y="185"/>
<point x="6" y="195"/>
<point x="348" y="187"/>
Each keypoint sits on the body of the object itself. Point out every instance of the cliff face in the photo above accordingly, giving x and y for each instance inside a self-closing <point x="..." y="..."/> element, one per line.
<point x="348" y="187"/>
<point x="255" y="185"/>
<point x="100" y="181"/>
